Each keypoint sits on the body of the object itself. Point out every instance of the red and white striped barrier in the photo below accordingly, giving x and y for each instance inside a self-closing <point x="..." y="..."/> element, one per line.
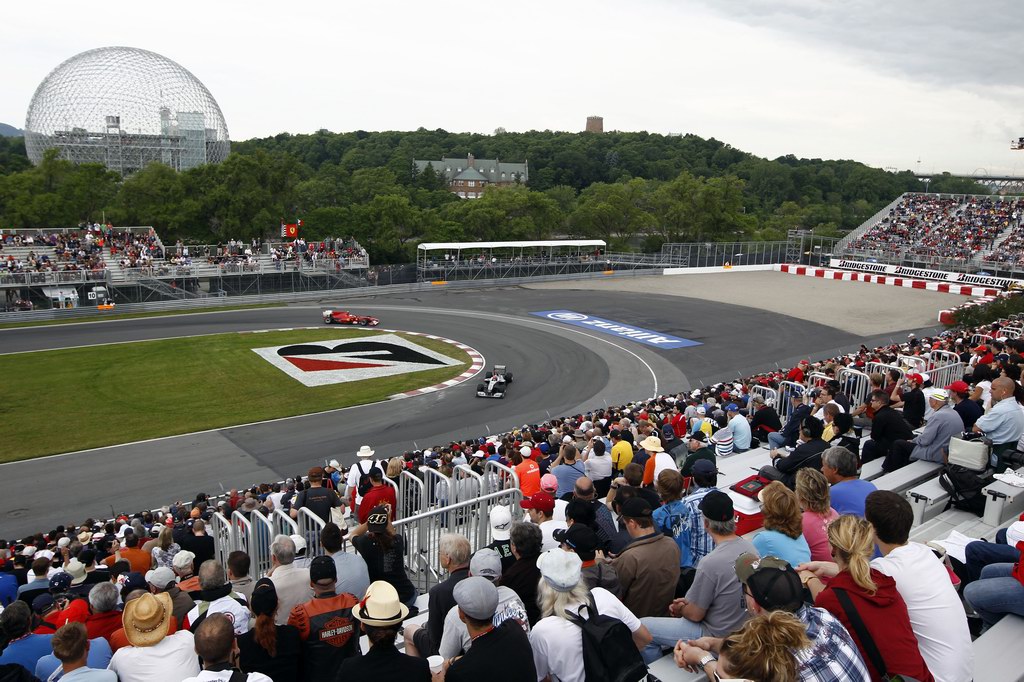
<point x="474" y="369"/>
<point x="848" y="276"/>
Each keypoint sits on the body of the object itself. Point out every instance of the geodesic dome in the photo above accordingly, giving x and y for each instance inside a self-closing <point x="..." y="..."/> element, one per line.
<point x="125" y="107"/>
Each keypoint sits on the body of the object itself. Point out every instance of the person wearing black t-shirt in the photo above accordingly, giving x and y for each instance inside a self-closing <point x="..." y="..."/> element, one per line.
<point x="381" y="548"/>
<point x="497" y="654"/>
<point x="316" y="498"/>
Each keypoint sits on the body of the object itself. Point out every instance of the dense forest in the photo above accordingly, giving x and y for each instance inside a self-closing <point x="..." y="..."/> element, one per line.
<point x="631" y="189"/>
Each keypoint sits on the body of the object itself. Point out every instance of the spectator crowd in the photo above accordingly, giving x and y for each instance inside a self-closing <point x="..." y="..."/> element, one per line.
<point x="624" y="549"/>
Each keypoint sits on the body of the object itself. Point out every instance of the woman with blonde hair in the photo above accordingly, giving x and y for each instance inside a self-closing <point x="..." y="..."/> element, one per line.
<point x="813" y="496"/>
<point x="783" y="534"/>
<point x="763" y="650"/>
<point x="165" y="549"/>
<point x="868" y="604"/>
<point x="394" y="470"/>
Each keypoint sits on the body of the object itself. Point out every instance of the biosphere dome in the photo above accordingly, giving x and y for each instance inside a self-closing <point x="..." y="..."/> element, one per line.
<point x="125" y="107"/>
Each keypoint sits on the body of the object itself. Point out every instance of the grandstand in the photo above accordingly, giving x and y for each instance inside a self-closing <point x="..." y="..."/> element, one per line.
<point x="958" y="232"/>
<point x="453" y="487"/>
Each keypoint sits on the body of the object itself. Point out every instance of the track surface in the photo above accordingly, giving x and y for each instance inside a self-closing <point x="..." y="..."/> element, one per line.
<point x="559" y="370"/>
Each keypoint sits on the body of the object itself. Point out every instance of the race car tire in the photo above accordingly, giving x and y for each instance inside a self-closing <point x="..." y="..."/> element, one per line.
<point x="508" y="377"/>
<point x="327" y="320"/>
<point x="364" y="322"/>
<point x="481" y="388"/>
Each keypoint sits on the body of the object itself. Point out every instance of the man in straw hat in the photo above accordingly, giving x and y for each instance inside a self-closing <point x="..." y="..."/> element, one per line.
<point x="381" y="614"/>
<point x="154" y="655"/>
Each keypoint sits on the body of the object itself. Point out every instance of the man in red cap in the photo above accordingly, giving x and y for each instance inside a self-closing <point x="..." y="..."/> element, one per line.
<point x="969" y="410"/>
<point x="541" y="509"/>
<point x="913" y="398"/>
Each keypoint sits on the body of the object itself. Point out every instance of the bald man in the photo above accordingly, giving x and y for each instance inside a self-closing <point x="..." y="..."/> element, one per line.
<point x="1003" y="424"/>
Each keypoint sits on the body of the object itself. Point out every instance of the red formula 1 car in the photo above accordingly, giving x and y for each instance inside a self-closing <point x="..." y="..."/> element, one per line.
<point x="345" y="317"/>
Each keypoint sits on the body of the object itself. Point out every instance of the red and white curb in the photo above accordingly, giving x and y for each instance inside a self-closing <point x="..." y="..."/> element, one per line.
<point x="475" y="368"/>
<point x="849" y="276"/>
<point x="946" y="317"/>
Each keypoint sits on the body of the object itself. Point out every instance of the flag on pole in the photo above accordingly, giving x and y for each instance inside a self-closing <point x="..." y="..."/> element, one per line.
<point x="291" y="230"/>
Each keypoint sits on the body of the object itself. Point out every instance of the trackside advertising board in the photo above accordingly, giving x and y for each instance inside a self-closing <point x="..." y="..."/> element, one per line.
<point x="623" y="331"/>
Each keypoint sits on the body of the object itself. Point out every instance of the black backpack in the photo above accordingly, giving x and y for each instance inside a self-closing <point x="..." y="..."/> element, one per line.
<point x="609" y="653"/>
<point x="964" y="487"/>
<point x="364" y="485"/>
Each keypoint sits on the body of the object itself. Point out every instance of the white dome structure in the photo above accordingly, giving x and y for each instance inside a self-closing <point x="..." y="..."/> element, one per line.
<point x="125" y="108"/>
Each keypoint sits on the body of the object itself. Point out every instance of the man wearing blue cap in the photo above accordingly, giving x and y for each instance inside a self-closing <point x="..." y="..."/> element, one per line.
<point x="740" y="428"/>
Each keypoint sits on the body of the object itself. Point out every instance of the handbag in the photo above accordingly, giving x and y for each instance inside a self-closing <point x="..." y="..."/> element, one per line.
<point x="865" y="637"/>
<point x="971" y="454"/>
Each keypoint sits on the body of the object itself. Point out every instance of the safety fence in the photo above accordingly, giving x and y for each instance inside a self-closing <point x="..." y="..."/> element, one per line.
<point x="427" y="508"/>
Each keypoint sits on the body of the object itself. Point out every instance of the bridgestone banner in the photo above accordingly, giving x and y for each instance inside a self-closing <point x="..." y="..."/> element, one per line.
<point x="320" y="363"/>
<point x="922" y="273"/>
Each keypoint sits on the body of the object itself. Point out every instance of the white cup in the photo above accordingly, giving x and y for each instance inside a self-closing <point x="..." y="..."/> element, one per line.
<point x="436" y="663"/>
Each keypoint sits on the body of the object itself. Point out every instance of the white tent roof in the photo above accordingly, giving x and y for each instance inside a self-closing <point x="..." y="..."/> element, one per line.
<point x="458" y="246"/>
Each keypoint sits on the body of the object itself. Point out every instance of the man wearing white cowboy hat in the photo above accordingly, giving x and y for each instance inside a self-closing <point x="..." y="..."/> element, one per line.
<point x="381" y="614"/>
<point x="153" y="655"/>
<point x="360" y="469"/>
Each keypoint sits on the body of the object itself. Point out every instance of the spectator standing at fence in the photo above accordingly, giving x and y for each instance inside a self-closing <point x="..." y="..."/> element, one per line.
<point x="384" y="552"/>
<point x="522" y="577"/>
<point x="153" y="654"/>
<point x="325" y="624"/>
<point x="380" y="493"/>
<point x="199" y="543"/>
<point x="353" y="576"/>
<point x="217" y="597"/>
<point x="381" y="612"/>
<point x="318" y="499"/>
<point x="290" y="581"/>
<point x="453" y="554"/>
<point x="364" y="463"/>
<point x="268" y="648"/>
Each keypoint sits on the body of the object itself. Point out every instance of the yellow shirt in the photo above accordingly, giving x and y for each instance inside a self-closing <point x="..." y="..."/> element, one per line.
<point x="622" y="454"/>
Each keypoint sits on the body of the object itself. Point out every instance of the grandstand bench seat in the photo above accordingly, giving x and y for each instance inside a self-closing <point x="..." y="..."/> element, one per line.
<point x="995" y="652"/>
<point x="906" y="477"/>
<point x="872" y="470"/>
<point x="1002" y="501"/>
<point x="928" y="500"/>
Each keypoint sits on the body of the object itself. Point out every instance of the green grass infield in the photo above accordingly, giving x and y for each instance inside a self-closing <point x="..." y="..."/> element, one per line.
<point x="66" y="400"/>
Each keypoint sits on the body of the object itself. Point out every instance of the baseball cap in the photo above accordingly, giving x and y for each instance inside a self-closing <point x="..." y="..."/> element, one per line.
<point x="579" y="537"/>
<point x="42" y="603"/>
<point x="701" y="409"/>
<point x="732" y="407"/>
<point x="636" y="508"/>
<point x="323" y="568"/>
<point x="160" y="577"/>
<point x="959" y="387"/>
<point x="939" y="394"/>
<point x="501" y="522"/>
<point x="486" y="563"/>
<point x="772" y="582"/>
<point x="541" y="501"/>
<point x="704" y="466"/>
<point x="132" y="581"/>
<point x="183" y="560"/>
<point x="300" y="543"/>
<point x="377" y="521"/>
<point x="477" y="597"/>
<point x="700" y="436"/>
<point x="60" y="582"/>
<point x="667" y="432"/>
<point x="548" y="483"/>
<point x="526" y="451"/>
<point x="915" y="377"/>
<point x="560" y="570"/>
<point x="716" y="505"/>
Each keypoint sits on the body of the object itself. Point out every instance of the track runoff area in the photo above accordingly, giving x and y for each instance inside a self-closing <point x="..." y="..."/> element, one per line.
<point x="127" y="392"/>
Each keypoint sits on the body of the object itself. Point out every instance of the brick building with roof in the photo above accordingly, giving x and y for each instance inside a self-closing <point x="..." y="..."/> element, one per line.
<point x="470" y="176"/>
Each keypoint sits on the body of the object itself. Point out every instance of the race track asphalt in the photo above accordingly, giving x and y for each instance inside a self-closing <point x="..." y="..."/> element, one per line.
<point x="559" y="369"/>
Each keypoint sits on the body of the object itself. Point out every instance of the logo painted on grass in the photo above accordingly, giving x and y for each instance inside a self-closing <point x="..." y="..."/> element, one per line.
<point x="625" y="331"/>
<point x="319" y="363"/>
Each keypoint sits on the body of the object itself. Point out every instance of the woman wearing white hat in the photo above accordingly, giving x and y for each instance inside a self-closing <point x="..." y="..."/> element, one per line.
<point x="381" y="613"/>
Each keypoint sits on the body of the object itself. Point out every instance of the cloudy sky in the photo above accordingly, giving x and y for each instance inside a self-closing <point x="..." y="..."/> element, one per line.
<point x="921" y="85"/>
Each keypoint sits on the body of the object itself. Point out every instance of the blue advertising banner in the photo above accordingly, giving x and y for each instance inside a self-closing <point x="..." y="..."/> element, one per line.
<point x="623" y="331"/>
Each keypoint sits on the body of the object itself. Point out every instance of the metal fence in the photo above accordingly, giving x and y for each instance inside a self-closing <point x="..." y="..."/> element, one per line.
<point x="855" y="384"/>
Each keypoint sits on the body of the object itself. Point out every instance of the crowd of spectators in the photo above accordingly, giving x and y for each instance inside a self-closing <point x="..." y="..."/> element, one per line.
<point x="622" y="514"/>
<point x="947" y="227"/>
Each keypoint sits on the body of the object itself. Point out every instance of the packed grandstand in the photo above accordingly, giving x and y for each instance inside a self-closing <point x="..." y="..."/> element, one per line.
<point x="468" y="560"/>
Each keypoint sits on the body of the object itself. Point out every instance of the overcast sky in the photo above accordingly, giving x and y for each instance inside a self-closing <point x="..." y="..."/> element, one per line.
<point x="931" y="85"/>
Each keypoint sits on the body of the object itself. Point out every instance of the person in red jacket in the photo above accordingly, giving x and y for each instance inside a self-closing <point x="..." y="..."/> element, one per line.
<point x="886" y="638"/>
<point x="378" y="494"/>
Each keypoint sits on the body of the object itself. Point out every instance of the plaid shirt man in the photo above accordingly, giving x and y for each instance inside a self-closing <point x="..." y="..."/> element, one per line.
<point x="701" y="543"/>
<point x="832" y="656"/>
